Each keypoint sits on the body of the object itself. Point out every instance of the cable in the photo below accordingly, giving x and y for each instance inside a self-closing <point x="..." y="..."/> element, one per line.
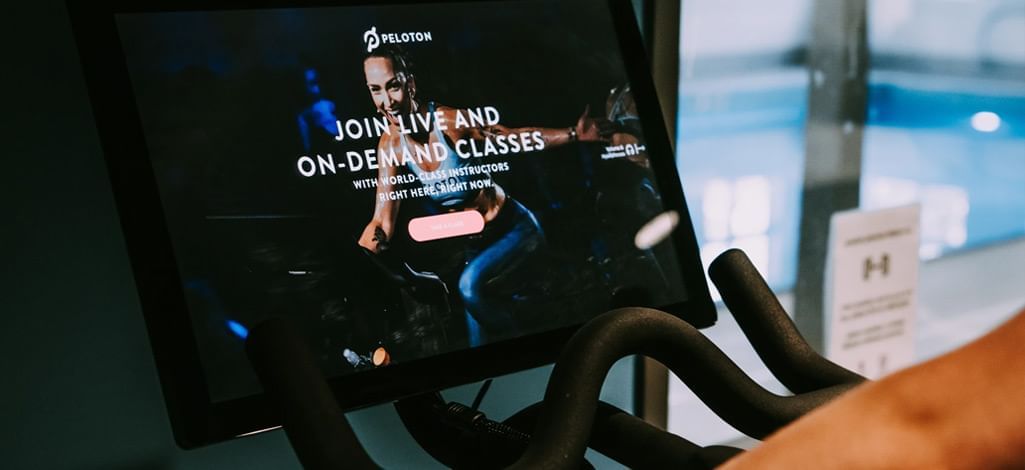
<point x="480" y="394"/>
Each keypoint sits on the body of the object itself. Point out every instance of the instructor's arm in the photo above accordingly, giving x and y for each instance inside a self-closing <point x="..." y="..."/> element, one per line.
<point x="586" y="129"/>
<point x="385" y="211"/>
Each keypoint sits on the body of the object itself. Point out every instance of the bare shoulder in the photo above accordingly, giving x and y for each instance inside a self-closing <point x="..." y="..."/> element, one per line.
<point x="449" y="115"/>
<point x="388" y="142"/>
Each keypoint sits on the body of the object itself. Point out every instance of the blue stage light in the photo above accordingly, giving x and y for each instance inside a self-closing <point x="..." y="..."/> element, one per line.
<point x="237" y="328"/>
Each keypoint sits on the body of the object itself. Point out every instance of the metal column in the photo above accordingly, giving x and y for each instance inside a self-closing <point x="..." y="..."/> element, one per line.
<point x="838" y="95"/>
<point x="661" y="22"/>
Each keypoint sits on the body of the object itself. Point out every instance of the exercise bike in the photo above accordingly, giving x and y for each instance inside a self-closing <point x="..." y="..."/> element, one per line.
<point x="554" y="433"/>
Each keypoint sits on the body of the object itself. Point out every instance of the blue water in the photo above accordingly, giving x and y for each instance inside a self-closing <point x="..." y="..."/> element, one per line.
<point x="919" y="145"/>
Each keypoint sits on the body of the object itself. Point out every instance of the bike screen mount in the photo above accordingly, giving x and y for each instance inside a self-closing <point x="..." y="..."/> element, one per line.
<point x="434" y="193"/>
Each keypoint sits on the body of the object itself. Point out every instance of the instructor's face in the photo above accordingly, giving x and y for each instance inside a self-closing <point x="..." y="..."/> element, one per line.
<point x="389" y="90"/>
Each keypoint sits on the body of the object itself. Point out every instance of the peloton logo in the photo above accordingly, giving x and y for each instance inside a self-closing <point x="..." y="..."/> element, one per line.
<point x="373" y="40"/>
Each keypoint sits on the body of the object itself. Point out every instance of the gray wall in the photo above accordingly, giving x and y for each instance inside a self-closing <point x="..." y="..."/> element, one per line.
<point x="80" y="389"/>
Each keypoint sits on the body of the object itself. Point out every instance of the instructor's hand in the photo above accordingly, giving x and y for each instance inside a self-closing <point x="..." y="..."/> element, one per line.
<point x="370" y="239"/>
<point x="593" y="130"/>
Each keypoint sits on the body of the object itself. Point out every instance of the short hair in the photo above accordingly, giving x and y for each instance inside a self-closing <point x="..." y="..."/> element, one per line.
<point x="399" y="59"/>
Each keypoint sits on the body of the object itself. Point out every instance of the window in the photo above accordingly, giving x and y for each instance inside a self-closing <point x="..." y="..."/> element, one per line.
<point x="944" y="125"/>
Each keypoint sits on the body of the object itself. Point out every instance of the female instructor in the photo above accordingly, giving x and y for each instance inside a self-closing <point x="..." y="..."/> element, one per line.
<point x="511" y="232"/>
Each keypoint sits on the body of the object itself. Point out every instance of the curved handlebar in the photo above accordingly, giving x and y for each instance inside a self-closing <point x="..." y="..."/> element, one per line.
<point x="570" y="411"/>
<point x="770" y="330"/>
<point x="423" y="286"/>
<point x="313" y="422"/>
<point x="636" y="443"/>
<point x="561" y="434"/>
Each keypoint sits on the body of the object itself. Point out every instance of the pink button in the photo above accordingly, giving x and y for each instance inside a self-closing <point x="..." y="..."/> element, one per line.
<point x="453" y="224"/>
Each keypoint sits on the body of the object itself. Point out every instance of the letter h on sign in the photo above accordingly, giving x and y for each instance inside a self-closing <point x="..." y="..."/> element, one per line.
<point x="883" y="266"/>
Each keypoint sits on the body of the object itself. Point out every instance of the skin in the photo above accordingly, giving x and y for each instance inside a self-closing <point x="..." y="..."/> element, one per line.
<point x="394" y="94"/>
<point x="624" y="138"/>
<point x="963" y="410"/>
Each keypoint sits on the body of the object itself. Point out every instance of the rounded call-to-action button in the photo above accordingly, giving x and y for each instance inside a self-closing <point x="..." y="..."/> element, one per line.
<point x="449" y="225"/>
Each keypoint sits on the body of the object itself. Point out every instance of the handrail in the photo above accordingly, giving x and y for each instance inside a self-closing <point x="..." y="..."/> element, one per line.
<point x="564" y="425"/>
<point x="314" y="423"/>
<point x="770" y="330"/>
<point x="571" y="416"/>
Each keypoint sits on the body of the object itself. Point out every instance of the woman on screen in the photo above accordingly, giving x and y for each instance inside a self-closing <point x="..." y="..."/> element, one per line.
<point x="511" y="232"/>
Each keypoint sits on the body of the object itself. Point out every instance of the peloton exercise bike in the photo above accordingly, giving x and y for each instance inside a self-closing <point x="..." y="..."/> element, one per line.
<point x="333" y="204"/>
<point x="555" y="432"/>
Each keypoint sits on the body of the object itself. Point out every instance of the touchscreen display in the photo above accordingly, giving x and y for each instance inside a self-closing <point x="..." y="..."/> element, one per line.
<point x="400" y="180"/>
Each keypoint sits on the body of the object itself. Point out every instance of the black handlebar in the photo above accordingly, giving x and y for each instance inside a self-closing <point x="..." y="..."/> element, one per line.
<point x="561" y="434"/>
<point x="309" y="412"/>
<point x="571" y="417"/>
<point x="636" y="443"/>
<point x="770" y="330"/>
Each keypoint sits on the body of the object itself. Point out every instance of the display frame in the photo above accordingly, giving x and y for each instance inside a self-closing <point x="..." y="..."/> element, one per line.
<point x="195" y="420"/>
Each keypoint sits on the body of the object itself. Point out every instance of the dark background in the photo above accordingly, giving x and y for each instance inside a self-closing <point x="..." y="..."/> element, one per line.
<point x="79" y="387"/>
<point x="219" y="92"/>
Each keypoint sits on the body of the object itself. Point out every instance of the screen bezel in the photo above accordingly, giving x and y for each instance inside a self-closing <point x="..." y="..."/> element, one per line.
<point x="195" y="420"/>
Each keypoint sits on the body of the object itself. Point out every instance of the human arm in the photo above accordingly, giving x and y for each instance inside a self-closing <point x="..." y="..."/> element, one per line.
<point x="382" y="224"/>
<point x="586" y="129"/>
<point x="965" y="409"/>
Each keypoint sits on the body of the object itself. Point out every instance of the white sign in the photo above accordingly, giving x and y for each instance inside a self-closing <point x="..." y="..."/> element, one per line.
<point x="872" y="277"/>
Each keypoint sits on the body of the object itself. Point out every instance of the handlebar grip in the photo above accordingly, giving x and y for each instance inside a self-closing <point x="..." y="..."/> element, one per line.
<point x="770" y="330"/>
<point x="313" y="422"/>
<point x="560" y="436"/>
<point x="636" y="443"/>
